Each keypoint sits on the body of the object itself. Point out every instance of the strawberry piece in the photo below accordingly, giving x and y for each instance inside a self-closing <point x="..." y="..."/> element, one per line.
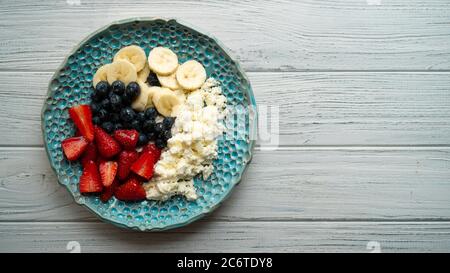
<point x="127" y="138"/>
<point x="73" y="147"/>
<point x="107" y="146"/>
<point x="108" y="192"/>
<point x="132" y="190"/>
<point x="108" y="171"/>
<point x="90" y="154"/>
<point x="145" y="163"/>
<point x="82" y="117"/>
<point x="126" y="159"/>
<point x="90" y="179"/>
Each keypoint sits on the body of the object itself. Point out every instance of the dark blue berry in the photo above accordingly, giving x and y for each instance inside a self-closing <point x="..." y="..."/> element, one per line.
<point x="151" y="113"/>
<point x="133" y="90"/>
<point x="96" y="120"/>
<point x="115" y="117"/>
<point x="141" y="117"/>
<point x="108" y="126"/>
<point x="167" y="134"/>
<point x="118" y="87"/>
<point x="95" y="107"/>
<point x="168" y="122"/>
<point x="142" y="139"/>
<point x="101" y="90"/>
<point x="159" y="128"/>
<point x="135" y="124"/>
<point x="152" y="79"/>
<point x="105" y="104"/>
<point x="160" y="143"/>
<point x="102" y="114"/>
<point x="151" y="135"/>
<point x="118" y="126"/>
<point x="116" y="102"/>
<point x="148" y="125"/>
<point x="127" y="114"/>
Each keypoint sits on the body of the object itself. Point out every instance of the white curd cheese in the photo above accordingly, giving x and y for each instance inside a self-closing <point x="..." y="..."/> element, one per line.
<point x="193" y="145"/>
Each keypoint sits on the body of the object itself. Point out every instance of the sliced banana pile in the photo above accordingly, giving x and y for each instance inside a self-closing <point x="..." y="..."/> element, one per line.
<point x="130" y="64"/>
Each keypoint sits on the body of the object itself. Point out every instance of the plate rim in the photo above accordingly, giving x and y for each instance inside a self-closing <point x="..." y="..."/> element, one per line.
<point x="252" y="130"/>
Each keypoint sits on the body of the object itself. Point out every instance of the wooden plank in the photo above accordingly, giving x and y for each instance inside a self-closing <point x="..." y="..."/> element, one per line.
<point x="231" y="237"/>
<point x="324" y="108"/>
<point x="270" y="35"/>
<point x="298" y="184"/>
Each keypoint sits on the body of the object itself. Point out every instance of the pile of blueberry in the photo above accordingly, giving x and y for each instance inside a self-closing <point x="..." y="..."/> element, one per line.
<point x="111" y="110"/>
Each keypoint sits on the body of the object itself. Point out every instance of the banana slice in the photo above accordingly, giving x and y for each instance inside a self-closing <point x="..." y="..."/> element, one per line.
<point x="143" y="74"/>
<point x="141" y="102"/>
<point x="162" y="61"/>
<point x="169" y="81"/>
<point x="121" y="70"/>
<point x="134" y="54"/>
<point x="100" y="75"/>
<point x="180" y="95"/>
<point x="165" y="100"/>
<point x="191" y="75"/>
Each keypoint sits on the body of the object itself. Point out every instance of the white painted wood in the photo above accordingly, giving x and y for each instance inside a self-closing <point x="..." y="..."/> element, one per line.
<point x="288" y="185"/>
<point x="339" y="108"/>
<point x="230" y="237"/>
<point x="265" y="35"/>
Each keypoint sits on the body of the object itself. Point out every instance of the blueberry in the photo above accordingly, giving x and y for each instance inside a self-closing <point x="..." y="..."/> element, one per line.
<point x="151" y="113"/>
<point x="96" y="120"/>
<point x="167" y="134"/>
<point x="135" y="124"/>
<point x="118" y="126"/>
<point x="133" y="90"/>
<point x="142" y="139"/>
<point x="151" y="135"/>
<point x="95" y="107"/>
<point x="159" y="128"/>
<point x="168" y="122"/>
<point x="152" y="79"/>
<point x="101" y="90"/>
<point x="127" y="114"/>
<point x="141" y="116"/>
<point x="116" y="102"/>
<point x="118" y="87"/>
<point x="160" y="143"/>
<point x="115" y="117"/>
<point x="148" y="125"/>
<point x="108" y="126"/>
<point x="105" y="104"/>
<point x="102" y="114"/>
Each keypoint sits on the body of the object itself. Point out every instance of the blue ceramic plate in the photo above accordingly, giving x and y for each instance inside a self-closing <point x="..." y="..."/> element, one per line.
<point x="72" y="85"/>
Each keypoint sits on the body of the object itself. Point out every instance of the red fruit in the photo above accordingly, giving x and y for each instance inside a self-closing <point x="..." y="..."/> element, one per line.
<point x="82" y="117"/>
<point x="145" y="163"/>
<point x="107" y="146"/>
<point x="90" y="179"/>
<point x="73" y="147"/>
<point x="127" y="138"/>
<point x="108" y="192"/>
<point x="126" y="159"/>
<point x="90" y="154"/>
<point x="108" y="171"/>
<point x="132" y="190"/>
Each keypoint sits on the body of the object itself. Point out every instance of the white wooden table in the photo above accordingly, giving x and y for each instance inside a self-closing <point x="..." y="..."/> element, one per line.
<point x="364" y="91"/>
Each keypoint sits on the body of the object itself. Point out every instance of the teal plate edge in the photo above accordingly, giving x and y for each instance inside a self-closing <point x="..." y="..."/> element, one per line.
<point x="253" y="122"/>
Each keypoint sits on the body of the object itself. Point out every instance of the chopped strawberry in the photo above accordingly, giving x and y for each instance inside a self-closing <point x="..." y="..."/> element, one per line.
<point x="82" y="117"/>
<point x="73" y="147"/>
<point x="108" y="171"/>
<point x="106" y="144"/>
<point x="90" y="179"/>
<point x="108" y="192"/>
<point x="90" y="154"/>
<point x="126" y="159"/>
<point x="132" y="190"/>
<point x="127" y="138"/>
<point x="145" y="163"/>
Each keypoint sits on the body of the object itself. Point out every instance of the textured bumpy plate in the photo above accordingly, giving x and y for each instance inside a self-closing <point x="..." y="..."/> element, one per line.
<point x="72" y="85"/>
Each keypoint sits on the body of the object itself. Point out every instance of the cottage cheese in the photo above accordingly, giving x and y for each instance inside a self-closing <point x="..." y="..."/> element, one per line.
<point x="193" y="145"/>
